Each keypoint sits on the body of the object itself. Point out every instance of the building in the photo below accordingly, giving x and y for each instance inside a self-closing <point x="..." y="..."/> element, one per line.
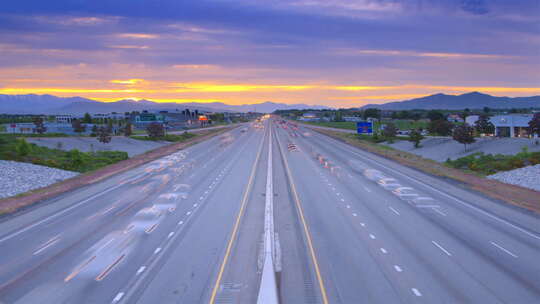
<point x="512" y="125"/>
<point x="352" y="118"/>
<point x="20" y="128"/>
<point x="471" y="119"/>
<point x="64" y="119"/>
<point x="52" y="127"/>
<point x="454" y="118"/>
<point x="308" y="116"/>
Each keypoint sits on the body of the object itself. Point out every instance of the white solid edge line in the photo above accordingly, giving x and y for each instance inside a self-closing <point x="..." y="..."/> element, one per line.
<point x="447" y="195"/>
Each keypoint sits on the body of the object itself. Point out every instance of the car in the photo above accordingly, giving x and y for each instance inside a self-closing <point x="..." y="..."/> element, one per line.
<point x="423" y="201"/>
<point x="104" y="256"/>
<point x="146" y="220"/>
<point x="406" y="193"/>
<point x="371" y="174"/>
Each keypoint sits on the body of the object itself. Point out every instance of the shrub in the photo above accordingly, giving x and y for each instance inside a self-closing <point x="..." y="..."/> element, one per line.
<point x="23" y="148"/>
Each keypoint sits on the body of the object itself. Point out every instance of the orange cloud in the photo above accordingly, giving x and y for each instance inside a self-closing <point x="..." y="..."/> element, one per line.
<point x="138" y="36"/>
<point x="128" y="81"/>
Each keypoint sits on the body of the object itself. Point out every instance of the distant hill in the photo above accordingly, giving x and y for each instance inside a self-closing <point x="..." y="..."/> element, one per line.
<point x="49" y="104"/>
<point x="473" y="100"/>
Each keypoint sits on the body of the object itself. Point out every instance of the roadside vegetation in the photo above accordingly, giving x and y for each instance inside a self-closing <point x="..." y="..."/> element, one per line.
<point x="486" y="164"/>
<point x="18" y="149"/>
<point x="169" y="137"/>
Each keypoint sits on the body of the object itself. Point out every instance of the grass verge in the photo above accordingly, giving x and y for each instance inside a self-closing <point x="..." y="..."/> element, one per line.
<point x="17" y="149"/>
<point x="169" y="137"/>
<point x="515" y="195"/>
<point x="12" y="204"/>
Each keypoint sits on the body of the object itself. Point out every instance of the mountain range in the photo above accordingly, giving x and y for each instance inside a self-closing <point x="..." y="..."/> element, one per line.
<point x="49" y="104"/>
<point x="473" y="100"/>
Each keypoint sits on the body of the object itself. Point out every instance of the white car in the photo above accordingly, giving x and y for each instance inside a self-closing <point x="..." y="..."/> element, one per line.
<point x="423" y="201"/>
<point x="405" y="193"/>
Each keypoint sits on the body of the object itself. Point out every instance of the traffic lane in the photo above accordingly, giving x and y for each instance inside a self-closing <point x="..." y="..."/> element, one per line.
<point x="460" y="204"/>
<point x="349" y="271"/>
<point x="492" y="239"/>
<point x="490" y="263"/>
<point x="242" y="273"/>
<point x="52" y="237"/>
<point x="408" y="269"/>
<point x="521" y="223"/>
<point x="25" y="220"/>
<point x="453" y="274"/>
<point x="117" y="220"/>
<point x="297" y="279"/>
<point x="188" y="272"/>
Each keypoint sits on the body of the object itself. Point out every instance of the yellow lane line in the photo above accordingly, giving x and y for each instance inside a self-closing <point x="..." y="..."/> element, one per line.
<point x="306" y="229"/>
<point x="236" y="224"/>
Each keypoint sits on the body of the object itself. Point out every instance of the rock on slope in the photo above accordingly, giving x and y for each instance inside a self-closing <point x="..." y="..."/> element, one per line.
<point x="19" y="177"/>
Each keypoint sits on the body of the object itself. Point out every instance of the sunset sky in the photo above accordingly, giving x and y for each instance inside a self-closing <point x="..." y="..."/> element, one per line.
<point x="339" y="53"/>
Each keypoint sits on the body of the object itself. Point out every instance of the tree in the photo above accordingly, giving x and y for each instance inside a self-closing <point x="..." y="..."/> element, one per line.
<point x="87" y="118"/>
<point x="483" y="125"/>
<point x="416" y="137"/>
<point x="435" y="115"/>
<point x="39" y="125"/>
<point x="440" y="127"/>
<point x="404" y="114"/>
<point x="464" y="134"/>
<point x="338" y="116"/>
<point x="390" y="131"/>
<point x="155" y="130"/>
<point x="465" y="113"/>
<point x="94" y="131"/>
<point x="104" y="135"/>
<point x="487" y="110"/>
<point x="78" y="127"/>
<point x="371" y="112"/>
<point x="534" y="124"/>
<point x="110" y="126"/>
<point x="128" y="129"/>
<point x="416" y="116"/>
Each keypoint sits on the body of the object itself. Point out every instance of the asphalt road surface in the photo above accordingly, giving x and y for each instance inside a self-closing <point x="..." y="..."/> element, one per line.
<point x="189" y="228"/>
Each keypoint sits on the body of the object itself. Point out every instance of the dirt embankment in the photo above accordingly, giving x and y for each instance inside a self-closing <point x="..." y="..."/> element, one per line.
<point x="12" y="204"/>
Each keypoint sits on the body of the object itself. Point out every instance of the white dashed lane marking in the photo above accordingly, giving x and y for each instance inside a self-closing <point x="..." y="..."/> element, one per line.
<point x="384" y="251"/>
<point x="141" y="270"/>
<point x="397" y="268"/>
<point x="118" y="297"/>
<point x="416" y="292"/>
<point x="504" y="249"/>
<point x="441" y="248"/>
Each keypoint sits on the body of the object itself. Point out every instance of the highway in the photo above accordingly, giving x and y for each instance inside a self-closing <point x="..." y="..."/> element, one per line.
<point x="189" y="228"/>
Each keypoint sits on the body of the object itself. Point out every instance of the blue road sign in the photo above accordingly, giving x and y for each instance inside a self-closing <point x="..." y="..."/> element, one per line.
<point x="364" y="127"/>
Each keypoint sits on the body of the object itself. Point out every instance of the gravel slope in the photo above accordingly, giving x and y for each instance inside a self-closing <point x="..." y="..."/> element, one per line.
<point x="442" y="148"/>
<point x="86" y="144"/>
<point x="528" y="177"/>
<point x="22" y="177"/>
